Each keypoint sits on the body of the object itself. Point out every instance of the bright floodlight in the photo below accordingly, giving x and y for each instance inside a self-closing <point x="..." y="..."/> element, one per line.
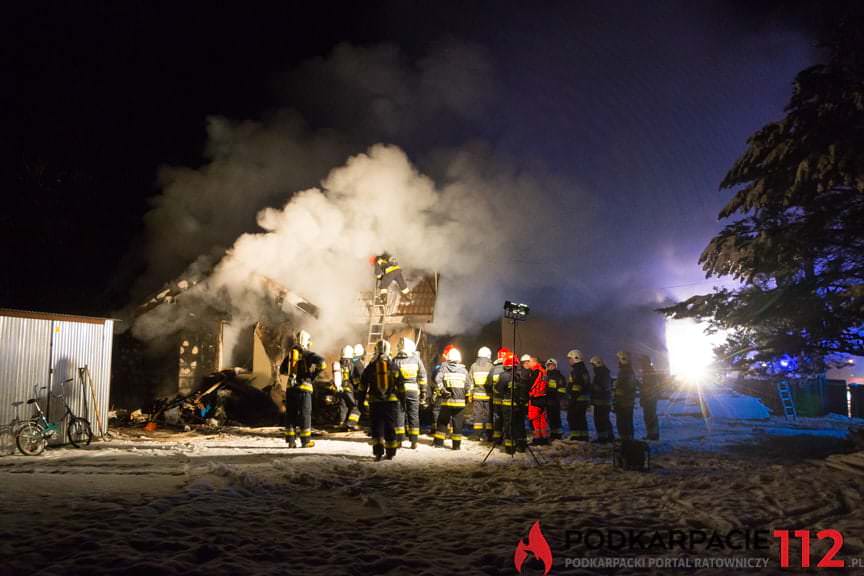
<point x="691" y="350"/>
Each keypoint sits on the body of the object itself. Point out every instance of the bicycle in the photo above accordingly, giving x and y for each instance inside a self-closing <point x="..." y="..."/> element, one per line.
<point x="32" y="437"/>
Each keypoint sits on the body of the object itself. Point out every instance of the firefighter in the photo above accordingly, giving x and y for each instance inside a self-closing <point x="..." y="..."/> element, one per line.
<point x="388" y="271"/>
<point x="384" y="392"/>
<point x="436" y="399"/>
<point x="412" y="378"/>
<point x="579" y="388"/>
<point x="601" y="400"/>
<point x="536" y="382"/>
<point x="346" y="378"/>
<point x="555" y="391"/>
<point x="514" y="401"/>
<point x="497" y="398"/>
<point x="451" y="387"/>
<point x="301" y="366"/>
<point x="477" y="376"/>
<point x="648" y="395"/>
<point x="625" y="396"/>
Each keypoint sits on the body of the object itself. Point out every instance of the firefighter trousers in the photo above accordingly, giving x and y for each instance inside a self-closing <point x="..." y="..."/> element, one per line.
<point x="513" y="428"/>
<point x="349" y="411"/>
<point x="624" y="420"/>
<point x="577" y="420"/>
<point x="412" y="416"/>
<point x="602" y="423"/>
<point x="383" y="415"/>
<point x="539" y="422"/>
<point x="400" y="421"/>
<point x="448" y="415"/>
<point x="298" y="415"/>
<point x="482" y="423"/>
<point x="497" y="423"/>
<point x="649" y="412"/>
<point x="553" y="410"/>
<point x="391" y="277"/>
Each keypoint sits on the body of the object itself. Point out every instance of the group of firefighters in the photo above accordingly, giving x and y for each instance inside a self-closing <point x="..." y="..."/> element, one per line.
<point x="391" y="390"/>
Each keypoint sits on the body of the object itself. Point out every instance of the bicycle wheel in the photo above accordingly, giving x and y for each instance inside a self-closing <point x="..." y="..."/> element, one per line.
<point x="30" y="439"/>
<point x="79" y="432"/>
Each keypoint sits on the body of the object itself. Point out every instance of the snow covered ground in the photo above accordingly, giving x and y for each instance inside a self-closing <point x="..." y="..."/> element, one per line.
<point x="242" y="503"/>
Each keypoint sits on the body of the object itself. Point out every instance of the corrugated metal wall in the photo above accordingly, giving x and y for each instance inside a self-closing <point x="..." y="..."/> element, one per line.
<point x="36" y="351"/>
<point x="25" y="359"/>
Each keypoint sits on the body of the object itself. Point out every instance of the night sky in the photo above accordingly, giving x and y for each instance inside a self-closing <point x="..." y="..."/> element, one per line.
<point x="643" y="105"/>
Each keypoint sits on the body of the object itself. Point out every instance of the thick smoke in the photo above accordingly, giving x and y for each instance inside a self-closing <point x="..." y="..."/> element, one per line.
<point x="474" y="229"/>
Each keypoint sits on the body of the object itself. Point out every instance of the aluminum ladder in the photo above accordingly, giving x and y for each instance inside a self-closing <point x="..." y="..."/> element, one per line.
<point x="786" y="400"/>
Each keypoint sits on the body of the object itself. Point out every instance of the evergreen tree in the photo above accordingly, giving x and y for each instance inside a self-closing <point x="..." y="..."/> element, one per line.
<point x="796" y="243"/>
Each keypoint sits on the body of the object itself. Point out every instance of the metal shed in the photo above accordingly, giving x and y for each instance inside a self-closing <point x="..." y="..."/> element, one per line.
<point x="38" y="349"/>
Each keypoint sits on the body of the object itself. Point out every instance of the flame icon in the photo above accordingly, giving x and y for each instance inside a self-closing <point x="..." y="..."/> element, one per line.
<point x="537" y="545"/>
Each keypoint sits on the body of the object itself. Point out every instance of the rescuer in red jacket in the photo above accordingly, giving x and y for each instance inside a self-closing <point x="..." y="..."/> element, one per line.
<point x="537" y="400"/>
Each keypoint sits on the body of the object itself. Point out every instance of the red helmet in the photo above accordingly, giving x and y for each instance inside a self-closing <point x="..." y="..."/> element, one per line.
<point x="503" y="353"/>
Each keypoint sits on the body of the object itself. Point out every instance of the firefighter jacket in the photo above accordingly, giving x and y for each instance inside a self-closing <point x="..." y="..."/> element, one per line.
<point x="579" y="383"/>
<point x="525" y="379"/>
<point x="555" y="382"/>
<point x="478" y="374"/>
<point x="385" y="264"/>
<point x="412" y="374"/>
<point x="537" y="386"/>
<point x="349" y="374"/>
<point x="451" y="384"/>
<point x="492" y="382"/>
<point x="381" y="381"/>
<point x="601" y="387"/>
<point x="652" y="382"/>
<point x="625" y="386"/>
<point x="301" y="367"/>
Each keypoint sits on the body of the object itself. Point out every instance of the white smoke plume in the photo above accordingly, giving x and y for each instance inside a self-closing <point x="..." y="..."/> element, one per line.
<point x="476" y="229"/>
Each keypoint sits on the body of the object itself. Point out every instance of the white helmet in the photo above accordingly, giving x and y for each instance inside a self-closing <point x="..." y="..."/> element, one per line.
<point x="407" y="346"/>
<point x="552" y="361"/>
<point x="484" y="352"/>
<point x="303" y="339"/>
<point x="623" y="357"/>
<point x="596" y="361"/>
<point x="359" y="350"/>
<point x="454" y="355"/>
<point x="575" y="355"/>
<point x="382" y="348"/>
<point x="525" y="358"/>
<point x="348" y="351"/>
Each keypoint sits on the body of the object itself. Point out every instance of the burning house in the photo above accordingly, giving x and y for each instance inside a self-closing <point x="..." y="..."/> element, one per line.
<point x="209" y="341"/>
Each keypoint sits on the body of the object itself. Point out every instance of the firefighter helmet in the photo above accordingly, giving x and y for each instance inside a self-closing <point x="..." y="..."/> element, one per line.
<point x="303" y="339"/>
<point x="484" y="352"/>
<point x="552" y="361"/>
<point x="596" y="361"/>
<point x="407" y="346"/>
<point x="525" y="358"/>
<point x="575" y="355"/>
<point x="348" y="351"/>
<point x="623" y="357"/>
<point x="382" y="348"/>
<point x="454" y="355"/>
<point x="359" y="350"/>
<point x="503" y="353"/>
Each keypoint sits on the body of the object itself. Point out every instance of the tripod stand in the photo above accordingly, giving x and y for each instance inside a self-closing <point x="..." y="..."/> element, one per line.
<point x="514" y="319"/>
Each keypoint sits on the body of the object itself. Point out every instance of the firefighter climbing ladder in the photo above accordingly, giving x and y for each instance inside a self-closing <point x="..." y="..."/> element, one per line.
<point x="786" y="400"/>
